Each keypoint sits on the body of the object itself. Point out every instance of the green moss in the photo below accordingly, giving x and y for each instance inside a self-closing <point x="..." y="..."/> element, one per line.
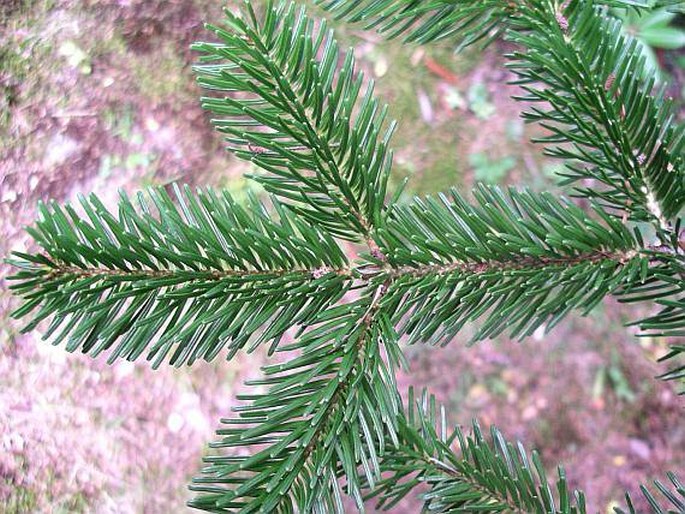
<point x="161" y="75"/>
<point x="22" y="10"/>
<point x="104" y="43"/>
<point x="14" y="70"/>
<point x="25" y="58"/>
<point x="20" y="501"/>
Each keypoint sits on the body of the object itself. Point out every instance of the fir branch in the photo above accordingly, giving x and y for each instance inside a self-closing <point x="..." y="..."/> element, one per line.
<point x="519" y="260"/>
<point x="425" y="21"/>
<point x="666" y="288"/>
<point x="483" y="476"/>
<point x="326" y="413"/>
<point x="603" y="118"/>
<point x="300" y="116"/>
<point x="478" y="474"/>
<point x="187" y="280"/>
<point x="190" y="276"/>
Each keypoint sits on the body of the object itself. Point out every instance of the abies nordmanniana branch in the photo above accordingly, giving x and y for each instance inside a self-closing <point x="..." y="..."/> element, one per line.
<point x="182" y="279"/>
<point x="167" y="268"/>
<point x="623" y="136"/>
<point x="193" y="275"/>
<point x="146" y="281"/>
<point x="300" y="111"/>
<point x="588" y="79"/>
<point x="327" y="413"/>
<point x="519" y="260"/>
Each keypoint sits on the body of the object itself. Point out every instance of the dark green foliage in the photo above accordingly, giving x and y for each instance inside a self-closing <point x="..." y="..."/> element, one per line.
<point x="484" y="475"/>
<point x="521" y="260"/>
<point x="186" y="276"/>
<point x="325" y="414"/>
<point x="589" y="79"/>
<point x="306" y="120"/>
<point x="183" y="278"/>
<point x="424" y="21"/>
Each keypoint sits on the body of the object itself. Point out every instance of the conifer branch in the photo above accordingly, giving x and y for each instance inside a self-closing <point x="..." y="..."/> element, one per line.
<point x="327" y="413"/>
<point x="300" y="116"/>
<point x="186" y="280"/>
<point x="518" y="260"/>
<point x="478" y="474"/>
<point x="188" y="276"/>
<point x="425" y="21"/>
<point x="579" y="63"/>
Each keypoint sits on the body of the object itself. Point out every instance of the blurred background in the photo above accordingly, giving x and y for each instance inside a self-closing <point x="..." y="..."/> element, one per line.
<point x="98" y="95"/>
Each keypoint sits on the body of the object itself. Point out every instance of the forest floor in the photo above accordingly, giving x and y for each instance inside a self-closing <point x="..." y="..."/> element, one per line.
<point x="98" y="95"/>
